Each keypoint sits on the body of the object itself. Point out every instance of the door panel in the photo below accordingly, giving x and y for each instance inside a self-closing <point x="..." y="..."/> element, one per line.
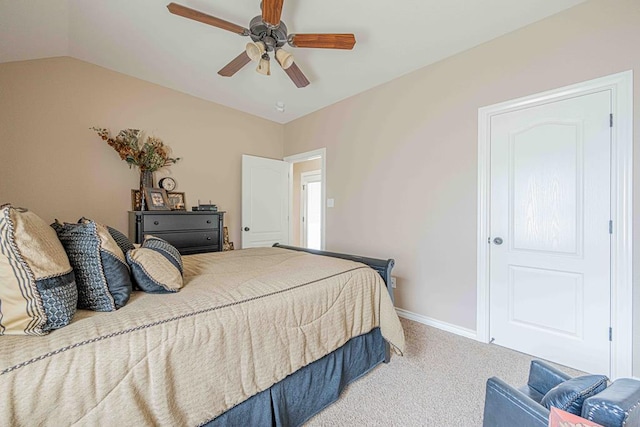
<point x="546" y="190"/>
<point x="562" y="314"/>
<point x="550" y="204"/>
<point x="265" y="201"/>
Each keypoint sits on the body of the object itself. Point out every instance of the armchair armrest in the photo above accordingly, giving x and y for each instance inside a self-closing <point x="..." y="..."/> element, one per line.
<point x="543" y="377"/>
<point x="505" y="406"/>
<point x="617" y="405"/>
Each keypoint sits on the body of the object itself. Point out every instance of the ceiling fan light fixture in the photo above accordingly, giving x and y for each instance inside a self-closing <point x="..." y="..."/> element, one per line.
<point x="264" y="66"/>
<point x="284" y="58"/>
<point x="255" y="50"/>
<point x="268" y="34"/>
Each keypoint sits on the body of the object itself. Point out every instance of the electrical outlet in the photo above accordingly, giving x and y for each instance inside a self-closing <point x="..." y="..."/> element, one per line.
<point x="393" y="282"/>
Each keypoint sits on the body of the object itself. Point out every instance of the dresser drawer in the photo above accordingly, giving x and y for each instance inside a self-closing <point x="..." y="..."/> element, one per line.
<point x="153" y="223"/>
<point x="189" y="232"/>
<point x="188" y="239"/>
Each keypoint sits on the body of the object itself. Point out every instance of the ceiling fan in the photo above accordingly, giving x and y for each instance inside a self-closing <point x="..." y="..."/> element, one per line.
<point x="269" y="34"/>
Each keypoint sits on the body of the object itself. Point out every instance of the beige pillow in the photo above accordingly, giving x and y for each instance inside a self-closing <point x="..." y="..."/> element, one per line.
<point x="153" y="272"/>
<point x="37" y="286"/>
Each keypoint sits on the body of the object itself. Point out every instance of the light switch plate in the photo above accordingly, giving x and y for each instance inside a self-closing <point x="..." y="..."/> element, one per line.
<point x="330" y="203"/>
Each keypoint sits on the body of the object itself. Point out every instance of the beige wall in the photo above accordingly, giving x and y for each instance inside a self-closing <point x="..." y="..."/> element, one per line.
<point x="53" y="164"/>
<point x="298" y="169"/>
<point x="402" y="157"/>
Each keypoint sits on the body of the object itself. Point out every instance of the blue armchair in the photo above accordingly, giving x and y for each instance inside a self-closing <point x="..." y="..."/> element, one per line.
<point x="614" y="406"/>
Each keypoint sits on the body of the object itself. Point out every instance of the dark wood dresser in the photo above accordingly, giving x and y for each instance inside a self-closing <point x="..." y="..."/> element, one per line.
<point x="189" y="232"/>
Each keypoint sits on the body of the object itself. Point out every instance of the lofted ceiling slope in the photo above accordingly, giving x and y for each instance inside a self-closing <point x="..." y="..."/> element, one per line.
<point x="142" y="39"/>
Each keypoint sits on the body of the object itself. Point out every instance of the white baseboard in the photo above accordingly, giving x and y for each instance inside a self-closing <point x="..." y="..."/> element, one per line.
<point x="454" y="329"/>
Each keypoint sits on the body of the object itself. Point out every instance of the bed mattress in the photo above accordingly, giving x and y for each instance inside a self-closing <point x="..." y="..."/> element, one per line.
<point x="244" y="321"/>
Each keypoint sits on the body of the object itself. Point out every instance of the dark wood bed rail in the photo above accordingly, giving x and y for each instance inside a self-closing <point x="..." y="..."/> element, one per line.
<point x="383" y="267"/>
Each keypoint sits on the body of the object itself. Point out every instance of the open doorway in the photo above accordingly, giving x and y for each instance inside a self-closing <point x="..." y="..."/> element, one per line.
<point x="310" y="207"/>
<point x="307" y="195"/>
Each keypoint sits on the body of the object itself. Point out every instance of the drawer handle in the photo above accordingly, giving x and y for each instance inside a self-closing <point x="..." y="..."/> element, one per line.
<point x="208" y="221"/>
<point x="156" y="222"/>
<point x="208" y="238"/>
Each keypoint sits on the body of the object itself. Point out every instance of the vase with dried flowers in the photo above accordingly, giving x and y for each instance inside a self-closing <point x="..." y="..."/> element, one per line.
<point x="147" y="156"/>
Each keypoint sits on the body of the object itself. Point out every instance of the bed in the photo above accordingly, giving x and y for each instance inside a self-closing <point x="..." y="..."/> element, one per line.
<point x="264" y="336"/>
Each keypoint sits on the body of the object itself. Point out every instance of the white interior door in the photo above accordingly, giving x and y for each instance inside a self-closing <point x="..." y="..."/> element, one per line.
<point x="550" y="231"/>
<point x="265" y="201"/>
<point x="311" y="209"/>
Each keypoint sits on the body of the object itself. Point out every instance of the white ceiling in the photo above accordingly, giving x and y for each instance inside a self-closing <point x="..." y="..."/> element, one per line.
<point x="142" y="39"/>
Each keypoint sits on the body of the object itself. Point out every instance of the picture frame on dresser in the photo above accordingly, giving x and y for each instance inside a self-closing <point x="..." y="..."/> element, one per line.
<point x="157" y="199"/>
<point x="177" y="200"/>
<point x="136" y="200"/>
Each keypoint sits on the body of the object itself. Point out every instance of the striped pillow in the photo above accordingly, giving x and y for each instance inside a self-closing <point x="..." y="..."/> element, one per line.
<point x="37" y="285"/>
<point x="156" y="266"/>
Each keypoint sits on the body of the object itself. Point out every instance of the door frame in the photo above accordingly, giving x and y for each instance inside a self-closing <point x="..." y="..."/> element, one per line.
<point x="621" y="86"/>
<point x="304" y="180"/>
<point x="320" y="153"/>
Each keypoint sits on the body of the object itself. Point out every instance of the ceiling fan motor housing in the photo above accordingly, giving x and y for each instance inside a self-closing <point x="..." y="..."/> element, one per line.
<point x="260" y="31"/>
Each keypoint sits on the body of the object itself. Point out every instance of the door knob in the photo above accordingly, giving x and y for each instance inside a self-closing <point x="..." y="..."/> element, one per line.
<point x="246" y="229"/>
<point x="497" y="240"/>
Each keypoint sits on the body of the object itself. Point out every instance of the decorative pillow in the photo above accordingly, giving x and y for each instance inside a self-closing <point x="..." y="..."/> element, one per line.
<point x="156" y="266"/>
<point x="102" y="273"/>
<point x="570" y="394"/>
<point x="166" y="249"/>
<point x="121" y="239"/>
<point x="37" y="286"/>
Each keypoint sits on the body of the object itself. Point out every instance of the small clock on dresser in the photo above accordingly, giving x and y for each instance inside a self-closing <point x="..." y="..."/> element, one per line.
<point x="168" y="183"/>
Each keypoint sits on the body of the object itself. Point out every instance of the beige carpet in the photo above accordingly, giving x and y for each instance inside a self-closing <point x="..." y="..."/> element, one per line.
<point x="439" y="382"/>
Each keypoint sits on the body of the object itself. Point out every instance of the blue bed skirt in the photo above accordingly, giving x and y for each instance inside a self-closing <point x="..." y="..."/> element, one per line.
<point x="301" y="395"/>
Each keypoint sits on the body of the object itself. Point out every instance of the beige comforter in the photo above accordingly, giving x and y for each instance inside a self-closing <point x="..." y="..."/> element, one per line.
<point x="244" y="321"/>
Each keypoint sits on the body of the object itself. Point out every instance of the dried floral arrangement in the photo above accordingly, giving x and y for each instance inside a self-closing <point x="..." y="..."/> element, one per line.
<point x="148" y="156"/>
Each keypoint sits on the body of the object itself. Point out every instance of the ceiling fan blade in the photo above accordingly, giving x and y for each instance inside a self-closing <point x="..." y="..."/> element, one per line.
<point x="235" y="65"/>
<point x="298" y="78"/>
<point x="325" y="41"/>
<point x="272" y="11"/>
<point x="186" y="12"/>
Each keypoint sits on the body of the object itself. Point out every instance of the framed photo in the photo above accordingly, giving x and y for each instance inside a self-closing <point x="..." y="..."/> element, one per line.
<point x="136" y="201"/>
<point x="176" y="201"/>
<point x="156" y="199"/>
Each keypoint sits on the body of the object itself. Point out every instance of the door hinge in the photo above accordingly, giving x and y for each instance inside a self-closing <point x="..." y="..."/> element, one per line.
<point x="610" y="334"/>
<point x="610" y="227"/>
<point x="304" y="187"/>
<point x="611" y="120"/>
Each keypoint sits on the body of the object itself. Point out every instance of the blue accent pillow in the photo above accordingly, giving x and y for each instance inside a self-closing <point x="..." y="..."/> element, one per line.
<point x="156" y="266"/>
<point x="571" y="394"/>
<point x="121" y="239"/>
<point x="102" y="273"/>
